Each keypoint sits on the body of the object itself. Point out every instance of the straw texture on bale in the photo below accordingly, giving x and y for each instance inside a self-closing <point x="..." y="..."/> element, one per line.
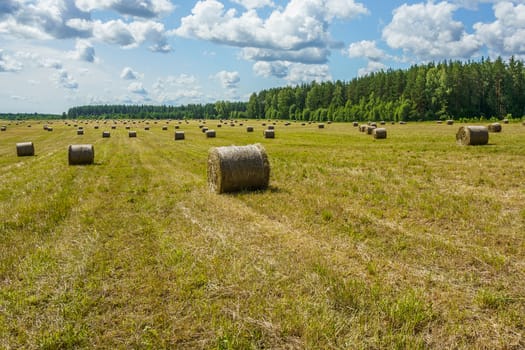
<point x="472" y="135"/>
<point x="24" y="149"/>
<point x="81" y="154"/>
<point x="269" y="134"/>
<point x="236" y="168"/>
<point x="179" y="135"/>
<point x="132" y="133"/>
<point x="379" y="133"/>
<point x="210" y="133"/>
<point x="495" y="127"/>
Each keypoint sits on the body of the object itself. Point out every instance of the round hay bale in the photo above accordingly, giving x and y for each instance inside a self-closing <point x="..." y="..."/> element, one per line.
<point x="363" y="127"/>
<point x="236" y="168"/>
<point x="439" y="122"/>
<point x="219" y="125"/>
<point x="249" y="128"/>
<point x="472" y="135"/>
<point x="49" y="128"/>
<point x="128" y="127"/>
<point x="355" y="124"/>
<point x="450" y="122"/>
<point x="164" y="128"/>
<point x="96" y="127"/>
<point x="382" y="122"/>
<point x="179" y="135"/>
<point x="269" y="134"/>
<point x="79" y="131"/>
<point x="132" y="133"/>
<point x="505" y="121"/>
<point x="146" y="128"/>
<point x="204" y="129"/>
<point x="495" y="127"/>
<point x="113" y="127"/>
<point x="379" y="133"/>
<point x="81" y="154"/>
<point x="271" y="127"/>
<point x="106" y="134"/>
<point x="210" y="133"/>
<point x="24" y="149"/>
<point x="370" y="129"/>
<point x="320" y="126"/>
<point x="45" y="127"/>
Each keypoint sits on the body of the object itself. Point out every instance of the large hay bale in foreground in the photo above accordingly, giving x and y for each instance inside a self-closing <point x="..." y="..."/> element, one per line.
<point x="25" y="149"/>
<point x="472" y="135"/>
<point x="495" y="127"/>
<point x="379" y="133"/>
<point x="81" y="154"/>
<point x="235" y="168"/>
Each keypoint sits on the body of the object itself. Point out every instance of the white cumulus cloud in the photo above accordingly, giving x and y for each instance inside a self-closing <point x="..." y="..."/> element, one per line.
<point x="429" y="31"/>
<point x="137" y="8"/>
<point x="129" y="74"/>
<point x="228" y="80"/>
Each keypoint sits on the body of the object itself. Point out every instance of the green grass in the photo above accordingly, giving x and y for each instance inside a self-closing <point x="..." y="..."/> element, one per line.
<point x="412" y="242"/>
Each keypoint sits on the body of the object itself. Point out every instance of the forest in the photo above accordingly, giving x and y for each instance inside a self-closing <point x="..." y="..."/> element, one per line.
<point x="484" y="89"/>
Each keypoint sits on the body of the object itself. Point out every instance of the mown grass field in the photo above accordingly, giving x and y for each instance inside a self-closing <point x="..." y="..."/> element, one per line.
<point x="409" y="242"/>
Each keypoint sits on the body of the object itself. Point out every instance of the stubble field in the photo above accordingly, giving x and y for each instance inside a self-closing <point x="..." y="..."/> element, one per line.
<point x="408" y="242"/>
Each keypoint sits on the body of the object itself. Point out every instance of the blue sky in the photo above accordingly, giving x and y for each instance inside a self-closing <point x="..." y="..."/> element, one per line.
<point x="56" y="54"/>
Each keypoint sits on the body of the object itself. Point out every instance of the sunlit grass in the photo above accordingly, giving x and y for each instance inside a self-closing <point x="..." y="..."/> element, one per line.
<point x="408" y="242"/>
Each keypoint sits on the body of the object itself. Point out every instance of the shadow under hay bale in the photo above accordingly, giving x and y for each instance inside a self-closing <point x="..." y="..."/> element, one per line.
<point x="25" y="149"/>
<point x="472" y="135"/>
<point x="379" y="133"/>
<point x="179" y="135"/>
<point x="81" y="154"/>
<point x="269" y="134"/>
<point x="236" y="168"/>
<point x="495" y="127"/>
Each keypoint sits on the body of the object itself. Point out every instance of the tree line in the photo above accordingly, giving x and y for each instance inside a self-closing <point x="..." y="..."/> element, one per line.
<point x="433" y="91"/>
<point x="444" y="90"/>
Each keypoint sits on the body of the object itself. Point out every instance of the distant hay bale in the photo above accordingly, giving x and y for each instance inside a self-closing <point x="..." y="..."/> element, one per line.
<point x="450" y="122"/>
<point x="164" y="128"/>
<point x="472" y="135"/>
<point x="363" y="127"/>
<point x="219" y="125"/>
<point x="106" y="134"/>
<point x="45" y="127"/>
<point x="495" y="127"/>
<point x="269" y="134"/>
<point x="370" y="129"/>
<point x="249" y="128"/>
<point x="79" y="132"/>
<point x="382" y="122"/>
<point x="379" y="133"/>
<point x="81" y="154"/>
<point x="113" y="127"/>
<point x="505" y="121"/>
<point x="49" y="128"/>
<point x="179" y="135"/>
<point x="210" y="133"/>
<point x="204" y="129"/>
<point x="128" y="127"/>
<point x="439" y="122"/>
<point x="146" y="128"/>
<point x="236" y="168"/>
<point x="25" y="149"/>
<point x="96" y="127"/>
<point x="132" y="133"/>
<point x="355" y="124"/>
<point x="271" y="127"/>
<point x="320" y="126"/>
